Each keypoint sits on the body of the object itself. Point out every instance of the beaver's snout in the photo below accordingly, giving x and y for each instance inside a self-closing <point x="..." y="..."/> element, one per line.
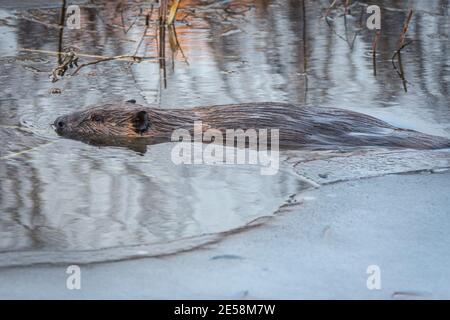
<point x="60" y="124"/>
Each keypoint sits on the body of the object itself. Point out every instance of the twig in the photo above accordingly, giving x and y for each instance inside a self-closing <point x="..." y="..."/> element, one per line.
<point x="66" y="60"/>
<point x="405" y="29"/>
<point x="134" y="59"/>
<point x="83" y="54"/>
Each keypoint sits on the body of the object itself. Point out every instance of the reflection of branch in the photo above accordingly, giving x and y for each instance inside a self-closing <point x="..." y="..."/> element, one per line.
<point x="332" y="29"/>
<point x="174" y="44"/>
<point x="16" y="154"/>
<point x="162" y="51"/>
<point x="305" y="61"/>
<point x="162" y="12"/>
<point x="352" y="43"/>
<point x="32" y="18"/>
<point x="82" y="54"/>
<point x="374" y="51"/>
<point x="134" y="59"/>
<point x="346" y="4"/>
<point x="350" y="40"/>
<point x="144" y="33"/>
<point x="131" y="58"/>
<point x="244" y="8"/>
<point x="400" y="71"/>
<point x="397" y="53"/>
<point x="131" y="25"/>
<point x="329" y="9"/>
<point x="122" y="18"/>
<point x="346" y="38"/>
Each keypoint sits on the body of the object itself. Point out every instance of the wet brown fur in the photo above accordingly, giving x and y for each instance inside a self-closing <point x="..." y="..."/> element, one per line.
<point x="311" y="127"/>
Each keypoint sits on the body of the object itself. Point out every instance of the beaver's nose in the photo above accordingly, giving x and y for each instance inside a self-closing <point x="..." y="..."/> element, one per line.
<point x="60" y="123"/>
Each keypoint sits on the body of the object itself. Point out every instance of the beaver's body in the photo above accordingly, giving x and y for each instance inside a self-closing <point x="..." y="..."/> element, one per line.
<point x="311" y="127"/>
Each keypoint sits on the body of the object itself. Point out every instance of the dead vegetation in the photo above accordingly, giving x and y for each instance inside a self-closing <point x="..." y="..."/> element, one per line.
<point x="166" y="17"/>
<point x="398" y="53"/>
<point x="158" y="23"/>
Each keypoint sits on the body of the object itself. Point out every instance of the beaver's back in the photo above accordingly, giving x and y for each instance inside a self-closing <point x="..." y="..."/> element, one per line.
<point x="317" y="127"/>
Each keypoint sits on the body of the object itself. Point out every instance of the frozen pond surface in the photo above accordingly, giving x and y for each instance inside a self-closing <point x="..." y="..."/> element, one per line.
<point x="59" y="197"/>
<point x="319" y="249"/>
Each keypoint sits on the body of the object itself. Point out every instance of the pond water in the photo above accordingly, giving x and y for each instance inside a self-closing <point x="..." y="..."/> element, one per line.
<point x="59" y="195"/>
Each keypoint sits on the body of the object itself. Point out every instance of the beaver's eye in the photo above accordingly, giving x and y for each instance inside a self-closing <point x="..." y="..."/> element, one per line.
<point x="97" y="118"/>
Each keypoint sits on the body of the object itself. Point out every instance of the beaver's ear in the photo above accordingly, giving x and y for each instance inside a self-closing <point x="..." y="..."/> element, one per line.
<point x="141" y="122"/>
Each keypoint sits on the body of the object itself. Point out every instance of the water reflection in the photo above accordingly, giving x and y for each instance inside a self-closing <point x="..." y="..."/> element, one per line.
<point x="64" y="196"/>
<point x="59" y="194"/>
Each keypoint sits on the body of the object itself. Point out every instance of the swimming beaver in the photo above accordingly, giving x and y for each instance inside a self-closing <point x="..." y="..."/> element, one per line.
<point x="305" y="127"/>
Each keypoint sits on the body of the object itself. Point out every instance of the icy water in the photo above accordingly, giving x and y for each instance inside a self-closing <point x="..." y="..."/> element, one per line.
<point x="59" y="195"/>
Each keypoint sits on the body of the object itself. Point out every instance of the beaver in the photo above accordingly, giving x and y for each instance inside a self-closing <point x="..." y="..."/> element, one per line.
<point x="299" y="126"/>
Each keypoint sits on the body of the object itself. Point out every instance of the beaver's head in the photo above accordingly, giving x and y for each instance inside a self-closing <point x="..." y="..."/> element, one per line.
<point x="129" y="120"/>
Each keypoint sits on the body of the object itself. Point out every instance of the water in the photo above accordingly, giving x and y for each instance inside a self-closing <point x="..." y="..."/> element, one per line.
<point x="59" y="195"/>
